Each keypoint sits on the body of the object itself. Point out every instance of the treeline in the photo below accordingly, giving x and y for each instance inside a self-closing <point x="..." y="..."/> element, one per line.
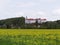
<point x="51" y="25"/>
<point x="19" y="22"/>
<point x="13" y="23"/>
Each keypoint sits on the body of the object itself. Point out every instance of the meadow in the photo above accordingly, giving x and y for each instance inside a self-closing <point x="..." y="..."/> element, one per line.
<point x="29" y="36"/>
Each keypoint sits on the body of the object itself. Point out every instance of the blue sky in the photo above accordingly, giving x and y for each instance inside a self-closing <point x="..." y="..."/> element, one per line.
<point x="49" y="9"/>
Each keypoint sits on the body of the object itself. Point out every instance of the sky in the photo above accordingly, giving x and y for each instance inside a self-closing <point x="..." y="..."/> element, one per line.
<point x="49" y="9"/>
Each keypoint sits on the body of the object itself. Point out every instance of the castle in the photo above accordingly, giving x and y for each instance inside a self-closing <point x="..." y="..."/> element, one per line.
<point x="32" y="20"/>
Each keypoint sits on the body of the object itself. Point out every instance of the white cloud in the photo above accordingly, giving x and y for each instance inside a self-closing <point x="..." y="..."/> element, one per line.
<point x="25" y="4"/>
<point x="32" y="14"/>
<point x="3" y="4"/>
<point x="56" y="12"/>
<point x="49" y="1"/>
<point x="18" y="14"/>
<point x="41" y="13"/>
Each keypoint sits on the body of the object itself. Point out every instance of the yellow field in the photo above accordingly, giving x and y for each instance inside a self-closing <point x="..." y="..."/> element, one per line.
<point x="29" y="36"/>
<point x="28" y="31"/>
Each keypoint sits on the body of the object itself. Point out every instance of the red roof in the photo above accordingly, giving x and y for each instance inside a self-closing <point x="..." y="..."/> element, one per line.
<point x="35" y="19"/>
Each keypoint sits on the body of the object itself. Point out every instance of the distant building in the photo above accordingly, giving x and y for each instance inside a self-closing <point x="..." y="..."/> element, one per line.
<point x="31" y="20"/>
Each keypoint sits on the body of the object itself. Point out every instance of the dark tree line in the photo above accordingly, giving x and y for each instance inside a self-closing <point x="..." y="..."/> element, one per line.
<point x="19" y="22"/>
<point x="51" y="25"/>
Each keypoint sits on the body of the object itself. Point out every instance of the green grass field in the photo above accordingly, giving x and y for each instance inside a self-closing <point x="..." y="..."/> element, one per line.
<point x="29" y="36"/>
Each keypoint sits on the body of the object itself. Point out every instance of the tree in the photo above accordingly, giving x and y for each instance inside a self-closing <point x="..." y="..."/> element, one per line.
<point x="36" y="23"/>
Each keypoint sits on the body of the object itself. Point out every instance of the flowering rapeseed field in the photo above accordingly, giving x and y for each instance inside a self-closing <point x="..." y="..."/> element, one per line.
<point x="29" y="36"/>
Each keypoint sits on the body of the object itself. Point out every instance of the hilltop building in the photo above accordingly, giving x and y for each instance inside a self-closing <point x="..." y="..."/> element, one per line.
<point x="32" y="21"/>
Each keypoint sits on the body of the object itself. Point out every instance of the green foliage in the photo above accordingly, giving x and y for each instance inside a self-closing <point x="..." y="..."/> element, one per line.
<point x="12" y="23"/>
<point x="42" y="39"/>
<point x="19" y="22"/>
<point x="51" y="25"/>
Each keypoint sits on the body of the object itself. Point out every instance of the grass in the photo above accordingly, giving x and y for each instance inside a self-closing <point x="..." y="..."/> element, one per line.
<point x="29" y="36"/>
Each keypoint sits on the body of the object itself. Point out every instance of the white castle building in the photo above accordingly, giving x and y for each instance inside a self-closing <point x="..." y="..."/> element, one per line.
<point x="32" y="20"/>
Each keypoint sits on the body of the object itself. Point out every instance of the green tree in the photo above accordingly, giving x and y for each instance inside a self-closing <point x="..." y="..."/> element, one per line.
<point x="36" y="23"/>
